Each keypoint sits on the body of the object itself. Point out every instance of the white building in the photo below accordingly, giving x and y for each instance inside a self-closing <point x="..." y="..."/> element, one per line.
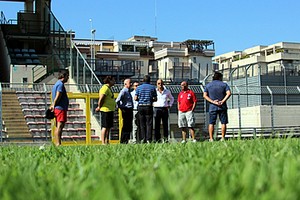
<point x="267" y="80"/>
<point x="171" y="61"/>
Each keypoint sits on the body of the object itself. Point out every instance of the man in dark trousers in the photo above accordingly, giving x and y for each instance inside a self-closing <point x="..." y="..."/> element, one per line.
<point x="146" y="95"/>
<point x="125" y="103"/>
<point x="217" y="93"/>
<point x="164" y="102"/>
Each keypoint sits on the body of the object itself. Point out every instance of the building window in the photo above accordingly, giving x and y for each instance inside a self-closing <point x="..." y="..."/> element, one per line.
<point x="25" y="80"/>
<point x="139" y="64"/>
<point x="176" y="61"/>
<point x="194" y="60"/>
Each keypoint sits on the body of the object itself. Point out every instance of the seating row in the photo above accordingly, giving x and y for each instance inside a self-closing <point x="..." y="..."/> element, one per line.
<point x="33" y="99"/>
<point x="41" y="118"/>
<point x="42" y="132"/>
<point x="43" y="124"/>
<point x="17" y="50"/>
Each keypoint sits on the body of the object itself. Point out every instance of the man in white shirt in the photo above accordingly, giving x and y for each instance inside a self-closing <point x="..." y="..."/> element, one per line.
<point x="135" y="121"/>
<point x="161" y="110"/>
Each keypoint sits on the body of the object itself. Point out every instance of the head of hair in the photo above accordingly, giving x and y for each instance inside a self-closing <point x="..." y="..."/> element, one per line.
<point x="218" y="76"/>
<point x="107" y="79"/>
<point x="185" y="83"/>
<point x="146" y="79"/>
<point x="162" y="82"/>
<point x="127" y="81"/>
<point x="63" y="73"/>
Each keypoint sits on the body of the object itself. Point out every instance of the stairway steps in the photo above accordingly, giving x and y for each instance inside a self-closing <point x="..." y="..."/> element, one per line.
<point x="16" y="126"/>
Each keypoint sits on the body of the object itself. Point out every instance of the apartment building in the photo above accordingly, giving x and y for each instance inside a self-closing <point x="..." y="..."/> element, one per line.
<point x="140" y="55"/>
<point x="276" y="64"/>
<point x="265" y="81"/>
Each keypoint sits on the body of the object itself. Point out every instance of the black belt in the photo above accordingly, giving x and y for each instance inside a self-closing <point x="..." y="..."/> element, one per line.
<point x="161" y="107"/>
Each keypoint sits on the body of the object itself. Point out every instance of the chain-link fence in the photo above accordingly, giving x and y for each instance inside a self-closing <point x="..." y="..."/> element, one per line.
<point x="252" y="110"/>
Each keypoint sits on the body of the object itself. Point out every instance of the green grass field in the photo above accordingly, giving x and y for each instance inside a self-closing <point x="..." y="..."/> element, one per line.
<point x="237" y="169"/>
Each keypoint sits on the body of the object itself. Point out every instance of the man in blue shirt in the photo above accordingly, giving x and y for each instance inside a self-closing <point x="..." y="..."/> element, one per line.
<point x="217" y="93"/>
<point x="146" y="95"/>
<point x="60" y="104"/>
<point x="125" y="103"/>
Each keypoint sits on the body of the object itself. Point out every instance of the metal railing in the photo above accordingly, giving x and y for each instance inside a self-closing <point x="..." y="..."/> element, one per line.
<point x="80" y="69"/>
<point x="253" y="110"/>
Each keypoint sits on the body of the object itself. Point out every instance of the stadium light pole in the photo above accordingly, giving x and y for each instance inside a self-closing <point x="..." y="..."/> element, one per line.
<point x="71" y="45"/>
<point x="93" y="54"/>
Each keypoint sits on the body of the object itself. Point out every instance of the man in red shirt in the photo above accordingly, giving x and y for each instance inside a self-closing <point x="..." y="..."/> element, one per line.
<point x="186" y="104"/>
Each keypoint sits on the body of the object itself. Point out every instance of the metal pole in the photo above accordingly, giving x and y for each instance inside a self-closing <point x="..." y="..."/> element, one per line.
<point x="77" y="68"/>
<point x="1" y="113"/>
<point x="205" y="78"/>
<point x="71" y="56"/>
<point x="239" y="107"/>
<point x="165" y="71"/>
<point x="272" y="111"/>
<point x="199" y="72"/>
<point x="284" y="80"/>
<point x="205" y="113"/>
<point x="46" y="107"/>
<point x="247" y="102"/>
<point x="91" y="50"/>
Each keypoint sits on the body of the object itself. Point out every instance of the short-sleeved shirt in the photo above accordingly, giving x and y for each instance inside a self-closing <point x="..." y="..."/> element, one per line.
<point x="164" y="99"/>
<point x="216" y="90"/>
<point x="109" y="103"/>
<point x="135" y="103"/>
<point x="124" y="99"/>
<point x="186" y="100"/>
<point x="63" y="103"/>
<point x="145" y="93"/>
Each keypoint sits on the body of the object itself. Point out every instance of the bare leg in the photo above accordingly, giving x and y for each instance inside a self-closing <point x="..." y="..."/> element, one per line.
<point x="58" y="133"/>
<point x="211" y="131"/>
<point x="107" y="135"/>
<point x="183" y="132"/>
<point x="104" y="135"/>
<point x="223" y="126"/>
<point x="192" y="131"/>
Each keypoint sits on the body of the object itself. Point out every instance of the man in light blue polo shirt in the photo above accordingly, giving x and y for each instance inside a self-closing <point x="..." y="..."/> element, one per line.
<point x="146" y="95"/>
<point x="125" y="103"/>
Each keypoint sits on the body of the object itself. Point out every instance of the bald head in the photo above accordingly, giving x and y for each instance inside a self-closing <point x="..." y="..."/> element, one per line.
<point x="184" y="85"/>
<point x="127" y="83"/>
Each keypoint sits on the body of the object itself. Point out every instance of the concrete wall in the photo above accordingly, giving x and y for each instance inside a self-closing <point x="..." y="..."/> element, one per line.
<point x="261" y="116"/>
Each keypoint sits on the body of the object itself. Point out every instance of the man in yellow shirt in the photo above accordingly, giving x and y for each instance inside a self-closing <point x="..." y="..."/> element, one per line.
<point x="106" y="106"/>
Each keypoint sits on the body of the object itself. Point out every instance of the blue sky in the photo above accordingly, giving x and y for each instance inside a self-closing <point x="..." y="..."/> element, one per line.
<point x="232" y="25"/>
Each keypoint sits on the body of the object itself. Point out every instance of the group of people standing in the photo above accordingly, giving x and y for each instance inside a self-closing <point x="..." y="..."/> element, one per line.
<point x="143" y="104"/>
<point x="146" y="102"/>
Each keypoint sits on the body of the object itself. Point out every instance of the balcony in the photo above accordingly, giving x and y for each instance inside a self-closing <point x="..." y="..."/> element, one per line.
<point x="170" y="52"/>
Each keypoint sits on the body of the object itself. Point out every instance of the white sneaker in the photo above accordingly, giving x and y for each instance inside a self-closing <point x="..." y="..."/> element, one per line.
<point x="183" y="141"/>
<point x="194" y="140"/>
<point x="210" y="140"/>
<point x="222" y="140"/>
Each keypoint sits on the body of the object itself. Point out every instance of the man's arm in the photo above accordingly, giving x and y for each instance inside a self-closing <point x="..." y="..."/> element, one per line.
<point x="171" y="98"/>
<point x="228" y="94"/>
<point x="100" y="101"/>
<point x="119" y="97"/>
<point x="57" y="98"/>
<point x="205" y="96"/>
